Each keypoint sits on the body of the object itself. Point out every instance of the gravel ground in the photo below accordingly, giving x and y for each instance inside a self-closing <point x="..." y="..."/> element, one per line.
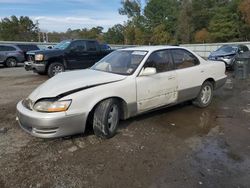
<point x="181" y="146"/>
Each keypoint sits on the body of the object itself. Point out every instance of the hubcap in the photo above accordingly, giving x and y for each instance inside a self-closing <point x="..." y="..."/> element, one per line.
<point x="206" y="94"/>
<point x="113" y="118"/>
<point x="57" y="69"/>
<point x="12" y="63"/>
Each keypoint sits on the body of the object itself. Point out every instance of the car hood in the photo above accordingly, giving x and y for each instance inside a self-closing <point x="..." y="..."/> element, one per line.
<point x="70" y="82"/>
<point x="221" y="53"/>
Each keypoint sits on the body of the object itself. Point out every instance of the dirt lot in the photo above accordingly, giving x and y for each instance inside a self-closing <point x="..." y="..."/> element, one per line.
<point x="182" y="146"/>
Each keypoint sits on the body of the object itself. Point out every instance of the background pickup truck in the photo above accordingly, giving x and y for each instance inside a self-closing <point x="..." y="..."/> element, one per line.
<point x="67" y="55"/>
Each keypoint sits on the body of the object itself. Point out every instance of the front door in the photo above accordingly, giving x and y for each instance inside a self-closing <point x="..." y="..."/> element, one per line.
<point x="77" y="55"/>
<point x="159" y="89"/>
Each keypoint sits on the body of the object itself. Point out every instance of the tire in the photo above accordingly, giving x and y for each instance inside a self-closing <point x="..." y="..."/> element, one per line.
<point x="205" y="96"/>
<point x="11" y="62"/>
<point x="55" y="68"/>
<point x="106" y="118"/>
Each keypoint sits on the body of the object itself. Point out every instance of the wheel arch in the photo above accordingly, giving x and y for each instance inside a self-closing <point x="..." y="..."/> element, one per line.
<point x="5" y="61"/>
<point x="123" y="106"/>
<point x="211" y="80"/>
<point x="54" y="60"/>
<point x="10" y="57"/>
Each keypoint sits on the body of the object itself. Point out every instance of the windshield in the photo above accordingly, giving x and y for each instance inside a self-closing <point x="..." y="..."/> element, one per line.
<point x="123" y="62"/>
<point x="62" y="45"/>
<point x="228" y="49"/>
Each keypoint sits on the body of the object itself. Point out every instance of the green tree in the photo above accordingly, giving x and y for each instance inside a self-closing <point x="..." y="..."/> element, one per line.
<point x="131" y="8"/>
<point x="160" y="35"/>
<point x="162" y="12"/>
<point x="185" y="26"/>
<point x="224" y="26"/>
<point x="17" y="29"/>
<point x="115" y="35"/>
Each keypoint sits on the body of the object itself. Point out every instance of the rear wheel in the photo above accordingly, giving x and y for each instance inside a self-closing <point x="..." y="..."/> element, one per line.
<point x="205" y="96"/>
<point x="11" y="62"/>
<point x="106" y="118"/>
<point x="55" y="68"/>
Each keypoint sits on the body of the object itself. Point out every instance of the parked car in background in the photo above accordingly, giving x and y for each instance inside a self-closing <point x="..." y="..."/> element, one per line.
<point x="227" y="54"/>
<point x="123" y="84"/>
<point x="12" y="54"/>
<point x="27" y="47"/>
<point x="69" y="54"/>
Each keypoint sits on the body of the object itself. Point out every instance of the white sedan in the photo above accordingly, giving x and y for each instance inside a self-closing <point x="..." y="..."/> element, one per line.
<point x="123" y="84"/>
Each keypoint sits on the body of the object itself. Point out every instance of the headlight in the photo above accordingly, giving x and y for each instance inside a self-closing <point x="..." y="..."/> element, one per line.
<point x="227" y="57"/>
<point x="39" y="57"/>
<point x="52" y="106"/>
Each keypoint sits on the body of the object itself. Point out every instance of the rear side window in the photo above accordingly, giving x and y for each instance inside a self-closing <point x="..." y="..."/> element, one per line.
<point x="184" y="59"/>
<point x="27" y="48"/>
<point x="91" y="46"/>
<point x="161" y="60"/>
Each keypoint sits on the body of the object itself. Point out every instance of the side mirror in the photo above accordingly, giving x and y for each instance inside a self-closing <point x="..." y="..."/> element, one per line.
<point x="148" y="71"/>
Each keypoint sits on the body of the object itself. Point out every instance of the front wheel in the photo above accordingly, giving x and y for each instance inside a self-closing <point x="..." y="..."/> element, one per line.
<point x="205" y="96"/>
<point x="55" y="68"/>
<point x="106" y="118"/>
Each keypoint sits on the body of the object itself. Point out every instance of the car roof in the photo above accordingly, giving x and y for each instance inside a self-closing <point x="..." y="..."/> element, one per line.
<point x="72" y="40"/>
<point x="153" y="48"/>
<point x="12" y="45"/>
<point x="233" y="45"/>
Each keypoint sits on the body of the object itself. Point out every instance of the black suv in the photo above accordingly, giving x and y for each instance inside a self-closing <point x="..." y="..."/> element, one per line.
<point x="67" y="55"/>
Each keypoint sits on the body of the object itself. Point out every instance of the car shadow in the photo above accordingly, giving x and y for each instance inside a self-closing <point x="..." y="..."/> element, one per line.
<point x="124" y="124"/>
<point x="19" y="65"/>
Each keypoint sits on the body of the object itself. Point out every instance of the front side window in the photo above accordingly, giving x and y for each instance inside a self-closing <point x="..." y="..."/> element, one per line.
<point x="123" y="62"/>
<point x="161" y="60"/>
<point x="184" y="59"/>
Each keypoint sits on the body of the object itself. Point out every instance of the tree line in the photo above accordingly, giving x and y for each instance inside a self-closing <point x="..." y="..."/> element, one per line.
<point x="154" y="22"/>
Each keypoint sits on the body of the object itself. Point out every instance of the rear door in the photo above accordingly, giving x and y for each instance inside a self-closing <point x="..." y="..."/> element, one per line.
<point x="161" y="88"/>
<point x="94" y="52"/>
<point x="8" y="51"/>
<point x="189" y="73"/>
<point x="2" y="54"/>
